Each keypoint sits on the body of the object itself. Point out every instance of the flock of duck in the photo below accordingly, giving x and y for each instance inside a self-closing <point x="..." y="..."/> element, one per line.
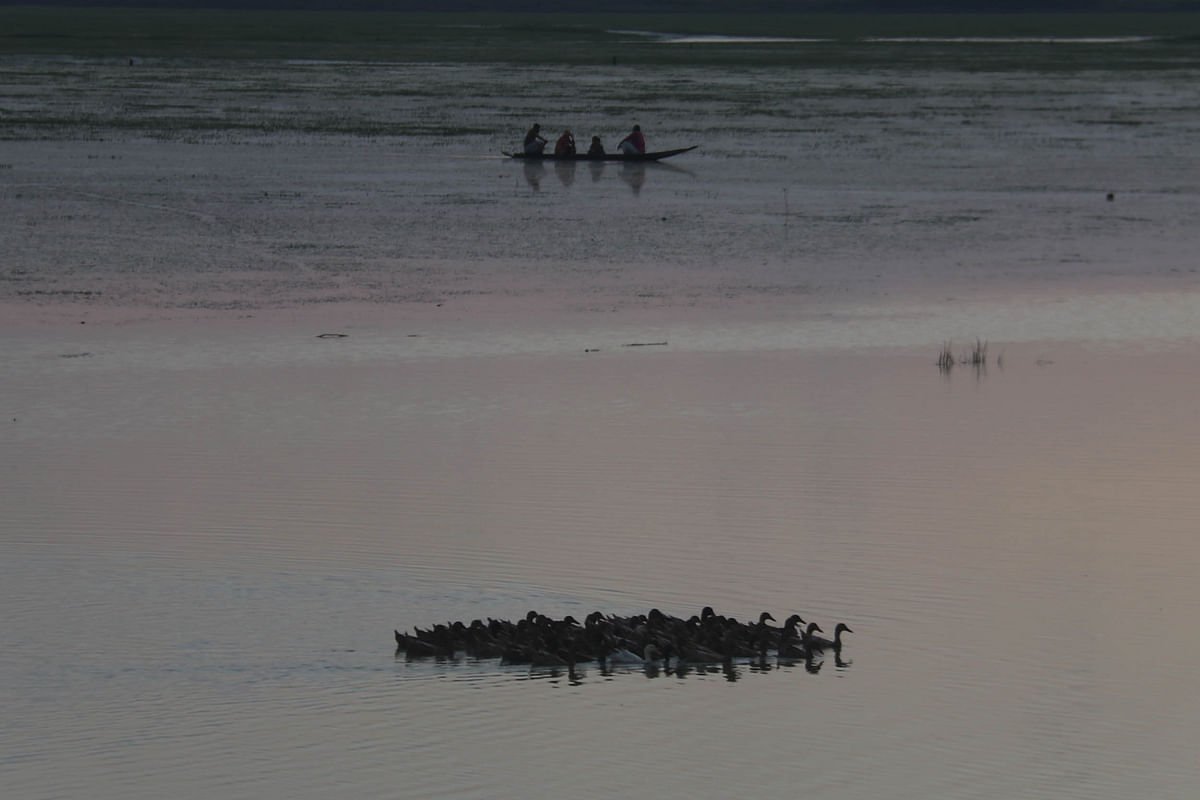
<point x="647" y="639"/>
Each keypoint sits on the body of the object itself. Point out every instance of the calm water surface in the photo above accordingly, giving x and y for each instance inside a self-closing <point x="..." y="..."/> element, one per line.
<point x="208" y="531"/>
<point x="202" y="569"/>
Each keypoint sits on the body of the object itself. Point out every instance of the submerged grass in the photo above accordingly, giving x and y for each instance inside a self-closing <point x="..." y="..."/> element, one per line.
<point x="597" y="39"/>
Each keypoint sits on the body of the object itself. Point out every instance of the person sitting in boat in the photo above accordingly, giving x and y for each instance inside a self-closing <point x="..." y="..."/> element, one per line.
<point x="634" y="143"/>
<point x="534" y="143"/>
<point x="597" y="149"/>
<point x="565" y="146"/>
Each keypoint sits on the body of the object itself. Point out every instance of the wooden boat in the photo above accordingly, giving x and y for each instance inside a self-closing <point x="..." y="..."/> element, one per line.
<point x="655" y="156"/>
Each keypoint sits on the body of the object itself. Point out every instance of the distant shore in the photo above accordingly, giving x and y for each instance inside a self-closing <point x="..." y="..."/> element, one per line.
<point x="565" y="38"/>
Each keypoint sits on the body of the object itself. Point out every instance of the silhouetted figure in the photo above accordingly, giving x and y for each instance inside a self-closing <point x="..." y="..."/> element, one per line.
<point x="565" y="146"/>
<point x="534" y="143"/>
<point x="634" y="143"/>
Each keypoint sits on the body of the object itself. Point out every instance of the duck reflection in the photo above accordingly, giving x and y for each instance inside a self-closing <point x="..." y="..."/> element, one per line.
<point x="537" y="673"/>
<point x="761" y="665"/>
<point x="573" y="673"/>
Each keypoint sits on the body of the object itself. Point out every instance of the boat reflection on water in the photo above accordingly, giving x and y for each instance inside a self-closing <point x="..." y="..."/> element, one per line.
<point x="565" y="170"/>
<point x="633" y="174"/>
<point x="534" y="172"/>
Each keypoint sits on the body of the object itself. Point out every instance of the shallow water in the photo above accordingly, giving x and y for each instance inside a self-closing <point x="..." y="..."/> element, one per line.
<point x="211" y="519"/>
<point x="202" y="569"/>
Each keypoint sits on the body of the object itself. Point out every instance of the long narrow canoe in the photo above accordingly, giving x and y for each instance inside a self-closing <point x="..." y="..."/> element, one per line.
<point x="655" y="156"/>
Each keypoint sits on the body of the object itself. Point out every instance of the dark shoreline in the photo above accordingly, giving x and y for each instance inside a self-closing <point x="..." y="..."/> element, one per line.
<point x="795" y="38"/>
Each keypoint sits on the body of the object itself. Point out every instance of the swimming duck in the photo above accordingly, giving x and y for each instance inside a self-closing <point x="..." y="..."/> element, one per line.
<point x="695" y="653"/>
<point x="790" y="639"/>
<point x="806" y="636"/>
<point x="639" y="639"/>
<point x="622" y="655"/>
<point x="425" y="643"/>
<point x="821" y="643"/>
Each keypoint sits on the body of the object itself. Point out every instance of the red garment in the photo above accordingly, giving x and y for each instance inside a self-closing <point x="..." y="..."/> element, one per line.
<point x="565" y="145"/>
<point x="637" y="140"/>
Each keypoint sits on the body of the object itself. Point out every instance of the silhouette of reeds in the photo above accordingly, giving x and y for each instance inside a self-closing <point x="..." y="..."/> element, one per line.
<point x="979" y="354"/>
<point x="977" y="357"/>
<point x="945" y="360"/>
